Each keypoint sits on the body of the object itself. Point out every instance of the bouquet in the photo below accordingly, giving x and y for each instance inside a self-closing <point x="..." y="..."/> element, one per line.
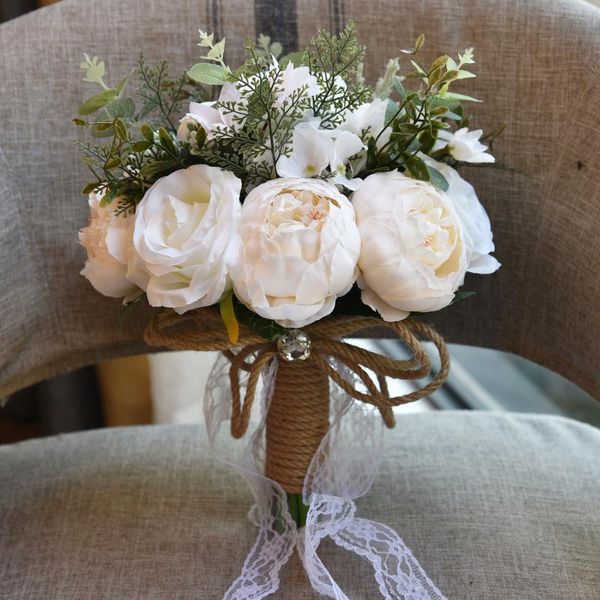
<point x="271" y="210"/>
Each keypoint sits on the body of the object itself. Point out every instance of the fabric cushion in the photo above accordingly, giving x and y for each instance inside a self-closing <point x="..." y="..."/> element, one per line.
<point x="495" y="507"/>
<point x="537" y="66"/>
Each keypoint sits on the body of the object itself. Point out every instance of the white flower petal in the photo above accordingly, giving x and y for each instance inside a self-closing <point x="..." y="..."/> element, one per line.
<point x="310" y="155"/>
<point x="107" y="240"/>
<point x="185" y="230"/>
<point x="298" y="252"/>
<point x="412" y="253"/>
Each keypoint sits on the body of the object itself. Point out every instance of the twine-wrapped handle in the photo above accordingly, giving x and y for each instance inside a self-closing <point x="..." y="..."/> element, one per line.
<point x="299" y="413"/>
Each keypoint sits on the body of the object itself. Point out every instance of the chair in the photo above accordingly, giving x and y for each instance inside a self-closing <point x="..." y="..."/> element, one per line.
<point x="494" y="506"/>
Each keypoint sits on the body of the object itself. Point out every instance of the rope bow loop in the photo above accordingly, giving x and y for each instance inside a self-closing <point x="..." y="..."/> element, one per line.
<point x="203" y="329"/>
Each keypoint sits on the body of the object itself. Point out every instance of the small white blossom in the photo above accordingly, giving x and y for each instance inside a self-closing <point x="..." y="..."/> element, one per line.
<point x="314" y="150"/>
<point x="294" y="78"/>
<point x="464" y="145"/>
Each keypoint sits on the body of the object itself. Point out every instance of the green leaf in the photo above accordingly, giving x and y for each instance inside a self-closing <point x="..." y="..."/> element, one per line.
<point x="141" y="146"/>
<point x="121" y="85"/>
<point x="102" y="130"/>
<point x="89" y="188"/>
<point x="80" y="122"/>
<point x="217" y="50"/>
<point x="229" y="319"/>
<point x="112" y="163"/>
<point x="276" y="49"/>
<point x="437" y="179"/>
<point x="461" y="295"/>
<point x="418" y="169"/>
<point x="121" y="129"/>
<point x="122" y="107"/>
<point x="156" y="167"/>
<point x="454" y="96"/>
<point x="266" y="328"/>
<point x="296" y="58"/>
<point x="98" y="101"/>
<point x="166" y="141"/>
<point x="208" y="73"/>
<point x="391" y="110"/>
<point x="397" y="85"/>
<point x="427" y="141"/>
<point x="147" y="132"/>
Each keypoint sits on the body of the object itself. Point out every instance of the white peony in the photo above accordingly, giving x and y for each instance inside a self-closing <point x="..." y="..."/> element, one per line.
<point x="477" y="230"/>
<point x="185" y="234"/>
<point x="413" y="257"/>
<point x="107" y="240"/>
<point x="464" y="145"/>
<point x="299" y="250"/>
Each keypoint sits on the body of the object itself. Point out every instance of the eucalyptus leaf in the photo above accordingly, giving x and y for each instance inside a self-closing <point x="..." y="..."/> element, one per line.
<point x="217" y="50"/>
<point x="122" y="107"/>
<point x="276" y="49"/>
<point x="91" y="105"/>
<point x="208" y="73"/>
<point x="437" y="179"/>
<point x="121" y="85"/>
<point x="391" y="111"/>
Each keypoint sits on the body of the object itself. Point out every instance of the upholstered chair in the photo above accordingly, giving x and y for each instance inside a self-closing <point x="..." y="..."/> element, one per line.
<point x="494" y="506"/>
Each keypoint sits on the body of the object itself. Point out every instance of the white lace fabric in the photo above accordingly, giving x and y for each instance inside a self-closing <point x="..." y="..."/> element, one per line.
<point x="336" y="477"/>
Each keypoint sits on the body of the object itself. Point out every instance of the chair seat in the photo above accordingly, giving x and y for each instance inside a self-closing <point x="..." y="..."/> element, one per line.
<point x="493" y="506"/>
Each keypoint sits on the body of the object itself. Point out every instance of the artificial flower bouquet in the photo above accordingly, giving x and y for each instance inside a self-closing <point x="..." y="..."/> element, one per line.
<point x="271" y="210"/>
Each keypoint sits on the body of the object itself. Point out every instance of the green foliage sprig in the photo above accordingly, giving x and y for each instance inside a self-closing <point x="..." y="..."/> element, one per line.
<point x="140" y="129"/>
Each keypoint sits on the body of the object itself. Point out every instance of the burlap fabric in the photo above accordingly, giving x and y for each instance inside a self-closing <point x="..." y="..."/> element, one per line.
<point x="538" y="65"/>
<point x="495" y="507"/>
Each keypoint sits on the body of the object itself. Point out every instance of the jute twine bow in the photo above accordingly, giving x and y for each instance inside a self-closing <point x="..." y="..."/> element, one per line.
<point x="299" y="408"/>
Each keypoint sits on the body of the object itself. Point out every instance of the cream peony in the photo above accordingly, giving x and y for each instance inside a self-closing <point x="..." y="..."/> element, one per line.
<point x="184" y="236"/>
<point x="477" y="230"/>
<point x="299" y="250"/>
<point x="413" y="257"/>
<point x="107" y="240"/>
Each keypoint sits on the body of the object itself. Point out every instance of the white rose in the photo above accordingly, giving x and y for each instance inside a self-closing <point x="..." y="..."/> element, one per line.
<point x="477" y="230"/>
<point x="300" y="246"/>
<point x="184" y="236"/>
<point x="107" y="240"/>
<point x="413" y="257"/>
<point x="464" y="145"/>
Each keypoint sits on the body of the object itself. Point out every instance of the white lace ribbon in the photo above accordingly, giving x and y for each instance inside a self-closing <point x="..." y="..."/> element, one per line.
<point x="336" y="477"/>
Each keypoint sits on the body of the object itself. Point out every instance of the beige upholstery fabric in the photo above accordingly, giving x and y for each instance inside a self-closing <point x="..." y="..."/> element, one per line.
<point x="494" y="507"/>
<point x="538" y="65"/>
